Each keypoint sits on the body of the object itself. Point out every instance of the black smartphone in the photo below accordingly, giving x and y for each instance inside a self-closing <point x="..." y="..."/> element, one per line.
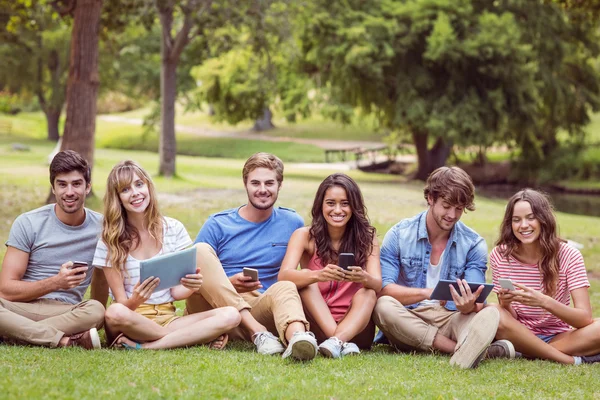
<point x="346" y="260"/>
<point x="77" y="264"/>
<point x="251" y="272"/>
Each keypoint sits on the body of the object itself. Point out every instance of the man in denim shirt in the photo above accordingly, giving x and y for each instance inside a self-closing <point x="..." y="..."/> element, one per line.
<point x="419" y="251"/>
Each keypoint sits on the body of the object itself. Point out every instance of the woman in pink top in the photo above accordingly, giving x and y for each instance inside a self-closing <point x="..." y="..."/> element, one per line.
<point x="546" y="273"/>
<point x="338" y="302"/>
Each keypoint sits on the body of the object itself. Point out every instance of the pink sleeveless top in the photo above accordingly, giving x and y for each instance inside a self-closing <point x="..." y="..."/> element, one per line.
<point x="337" y="295"/>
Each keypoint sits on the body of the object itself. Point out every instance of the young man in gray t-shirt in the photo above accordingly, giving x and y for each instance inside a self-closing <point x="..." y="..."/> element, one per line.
<point x="41" y="289"/>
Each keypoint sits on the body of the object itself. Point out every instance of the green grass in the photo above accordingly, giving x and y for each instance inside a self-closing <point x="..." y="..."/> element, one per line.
<point x="207" y="185"/>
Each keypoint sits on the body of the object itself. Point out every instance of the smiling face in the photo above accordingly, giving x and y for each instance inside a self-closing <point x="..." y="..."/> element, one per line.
<point x="262" y="188"/>
<point x="70" y="190"/>
<point x="135" y="197"/>
<point x="444" y="214"/>
<point x="525" y="226"/>
<point x="336" y="207"/>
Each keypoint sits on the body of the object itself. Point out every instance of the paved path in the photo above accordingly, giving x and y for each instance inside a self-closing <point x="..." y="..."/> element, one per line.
<point x="324" y="144"/>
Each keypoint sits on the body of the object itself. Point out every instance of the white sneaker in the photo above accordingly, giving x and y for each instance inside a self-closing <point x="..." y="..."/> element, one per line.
<point x="302" y="346"/>
<point x="472" y="347"/>
<point x="349" y="349"/>
<point x="331" y="347"/>
<point x="267" y="343"/>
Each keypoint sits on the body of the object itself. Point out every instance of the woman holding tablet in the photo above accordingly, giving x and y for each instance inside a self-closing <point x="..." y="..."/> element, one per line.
<point x="134" y="230"/>
<point x="338" y="301"/>
<point x="546" y="273"/>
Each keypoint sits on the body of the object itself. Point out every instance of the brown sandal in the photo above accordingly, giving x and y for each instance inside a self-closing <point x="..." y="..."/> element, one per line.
<point x="223" y="338"/>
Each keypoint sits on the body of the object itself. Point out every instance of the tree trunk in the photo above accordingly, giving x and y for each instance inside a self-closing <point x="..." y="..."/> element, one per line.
<point x="168" y="87"/>
<point x="82" y="86"/>
<point x="52" y="120"/>
<point x="429" y="160"/>
<point x="265" y="122"/>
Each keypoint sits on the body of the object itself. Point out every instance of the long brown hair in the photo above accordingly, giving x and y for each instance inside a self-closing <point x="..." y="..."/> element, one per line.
<point x="358" y="235"/>
<point x="548" y="239"/>
<point x="118" y="234"/>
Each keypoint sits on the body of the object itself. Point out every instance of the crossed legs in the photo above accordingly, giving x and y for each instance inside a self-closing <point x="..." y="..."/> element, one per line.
<point x="578" y="342"/>
<point x="356" y="326"/>
<point x="185" y="331"/>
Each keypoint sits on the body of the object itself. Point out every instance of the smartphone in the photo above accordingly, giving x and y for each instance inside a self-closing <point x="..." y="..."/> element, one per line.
<point x="346" y="260"/>
<point x="506" y="284"/>
<point x="251" y="272"/>
<point x="78" y="264"/>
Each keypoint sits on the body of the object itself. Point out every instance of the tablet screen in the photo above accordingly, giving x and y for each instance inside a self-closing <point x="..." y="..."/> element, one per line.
<point x="442" y="290"/>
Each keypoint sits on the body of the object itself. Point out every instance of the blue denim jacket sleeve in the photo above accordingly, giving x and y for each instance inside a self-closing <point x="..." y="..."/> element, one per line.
<point x="477" y="262"/>
<point x="390" y="257"/>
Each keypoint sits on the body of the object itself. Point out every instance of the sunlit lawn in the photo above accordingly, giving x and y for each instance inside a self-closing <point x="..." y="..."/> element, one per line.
<point x="206" y="185"/>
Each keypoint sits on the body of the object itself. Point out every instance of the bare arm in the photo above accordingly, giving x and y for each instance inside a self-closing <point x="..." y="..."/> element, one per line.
<point x="99" y="287"/>
<point x="406" y="295"/>
<point x="578" y="316"/>
<point x="14" y="265"/>
<point x="298" y="247"/>
<point x="141" y="293"/>
<point x="370" y="277"/>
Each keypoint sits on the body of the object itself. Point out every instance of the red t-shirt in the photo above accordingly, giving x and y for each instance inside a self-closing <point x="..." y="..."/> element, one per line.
<point x="572" y="275"/>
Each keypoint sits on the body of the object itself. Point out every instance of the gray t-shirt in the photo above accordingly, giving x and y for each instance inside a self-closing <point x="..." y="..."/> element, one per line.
<point x="51" y="243"/>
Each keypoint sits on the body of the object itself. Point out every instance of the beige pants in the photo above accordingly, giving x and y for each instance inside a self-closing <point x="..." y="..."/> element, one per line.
<point x="44" y="322"/>
<point x="415" y="329"/>
<point x="276" y="308"/>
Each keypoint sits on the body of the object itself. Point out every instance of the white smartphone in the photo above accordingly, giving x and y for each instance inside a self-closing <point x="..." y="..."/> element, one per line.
<point x="506" y="284"/>
<point x="251" y="272"/>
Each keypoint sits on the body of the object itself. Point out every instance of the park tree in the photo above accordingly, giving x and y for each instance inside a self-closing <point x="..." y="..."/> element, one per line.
<point x="189" y="14"/>
<point x="444" y="72"/>
<point x="34" y="57"/>
<point x="257" y="68"/>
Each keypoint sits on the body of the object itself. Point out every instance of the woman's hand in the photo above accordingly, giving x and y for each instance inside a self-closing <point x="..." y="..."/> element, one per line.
<point x="192" y="281"/>
<point x="143" y="291"/>
<point x="505" y="297"/>
<point x="529" y="296"/>
<point x="331" y="272"/>
<point x="356" y="274"/>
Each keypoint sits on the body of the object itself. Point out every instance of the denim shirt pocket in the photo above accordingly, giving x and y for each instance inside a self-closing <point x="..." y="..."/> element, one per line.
<point x="410" y="269"/>
<point x="456" y="271"/>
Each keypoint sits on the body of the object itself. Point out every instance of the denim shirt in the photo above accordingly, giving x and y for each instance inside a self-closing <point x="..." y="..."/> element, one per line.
<point x="406" y="250"/>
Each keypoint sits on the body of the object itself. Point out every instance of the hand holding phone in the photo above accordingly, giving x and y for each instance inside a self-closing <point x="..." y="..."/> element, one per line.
<point x="346" y="260"/>
<point x="506" y="284"/>
<point x="251" y="272"/>
<point x="79" y="264"/>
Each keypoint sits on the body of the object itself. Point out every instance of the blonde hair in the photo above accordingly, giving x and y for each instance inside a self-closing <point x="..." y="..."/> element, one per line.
<point x="118" y="235"/>
<point x="263" y="160"/>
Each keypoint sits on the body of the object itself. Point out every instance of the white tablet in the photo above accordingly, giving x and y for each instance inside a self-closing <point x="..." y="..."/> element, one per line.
<point x="170" y="268"/>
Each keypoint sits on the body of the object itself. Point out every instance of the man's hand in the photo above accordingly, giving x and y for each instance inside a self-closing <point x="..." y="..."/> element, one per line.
<point x="192" y="281"/>
<point x="69" y="277"/>
<point x="244" y="284"/>
<point x="465" y="301"/>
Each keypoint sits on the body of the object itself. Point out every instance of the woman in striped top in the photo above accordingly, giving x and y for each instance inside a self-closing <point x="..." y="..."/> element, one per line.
<point x="134" y="230"/>
<point x="546" y="273"/>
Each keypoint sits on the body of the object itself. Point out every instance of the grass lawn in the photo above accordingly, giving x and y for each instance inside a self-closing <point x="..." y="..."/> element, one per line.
<point x="206" y="185"/>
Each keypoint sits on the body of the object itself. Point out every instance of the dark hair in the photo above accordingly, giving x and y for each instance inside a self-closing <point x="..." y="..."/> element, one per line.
<point x="451" y="184"/>
<point x="549" y="240"/>
<point x="358" y="235"/>
<point x="67" y="161"/>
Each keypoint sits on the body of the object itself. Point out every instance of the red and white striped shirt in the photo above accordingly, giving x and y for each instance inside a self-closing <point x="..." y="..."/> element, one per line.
<point x="572" y="275"/>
